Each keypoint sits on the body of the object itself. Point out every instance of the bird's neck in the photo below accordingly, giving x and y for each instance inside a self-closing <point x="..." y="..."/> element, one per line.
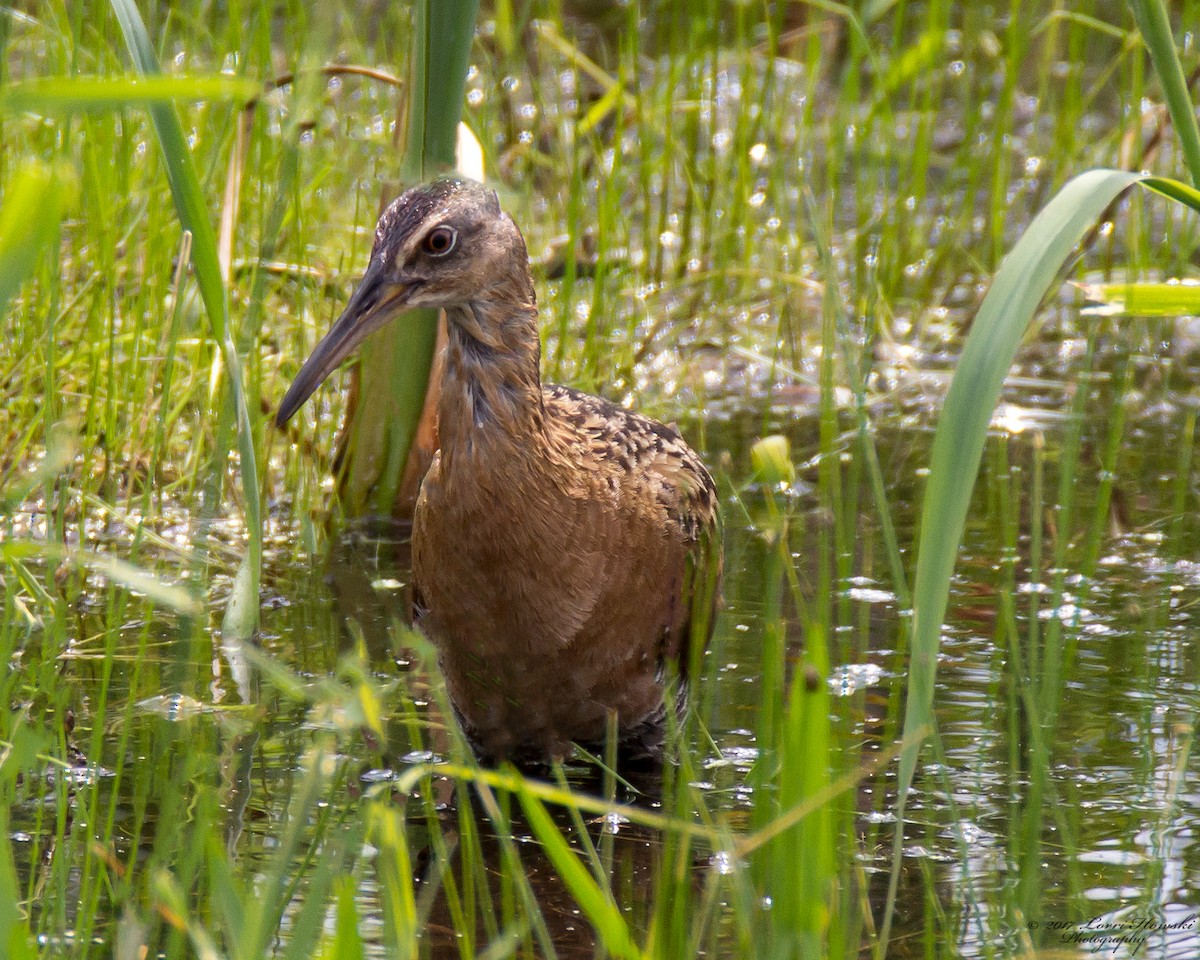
<point x="492" y="391"/>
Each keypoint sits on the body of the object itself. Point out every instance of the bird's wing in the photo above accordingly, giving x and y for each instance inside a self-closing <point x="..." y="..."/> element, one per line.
<point x="672" y="484"/>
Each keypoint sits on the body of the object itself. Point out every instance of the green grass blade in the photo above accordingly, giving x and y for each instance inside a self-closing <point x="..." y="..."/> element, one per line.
<point x="595" y="902"/>
<point x="396" y="369"/>
<point x="805" y="764"/>
<point x="304" y="925"/>
<point x="345" y="943"/>
<point x="1155" y="27"/>
<point x="58" y="94"/>
<point x="394" y="878"/>
<point x="1004" y="316"/>
<point x="193" y="214"/>
<point x="29" y="218"/>
<point x="449" y="30"/>
<point x="1144" y="299"/>
<point x="1187" y="195"/>
<point x="15" y="939"/>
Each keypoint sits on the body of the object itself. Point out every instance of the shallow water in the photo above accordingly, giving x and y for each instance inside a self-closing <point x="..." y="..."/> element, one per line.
<point x="1116" y="829"/>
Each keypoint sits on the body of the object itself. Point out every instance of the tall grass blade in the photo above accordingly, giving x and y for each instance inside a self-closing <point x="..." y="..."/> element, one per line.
<point x="193" y="214"/>
<point x="1155" y="27"/>
<point x="18" y="747"/>
<point x="449" y="28"/>
<point x="57" y="94"/>
<point x="804" y="856"/>
<point x="394" y="876"/>
<point x="1006" y="312"/>
<point x="395" y="372"/>
<point x="596" y="902"/>
<point x="268" y="910"/>
<point x="1144" y="299"/>
<point x="306" y="924"/>
<point x="345" y="943"/>
<point x="29" y="219"/>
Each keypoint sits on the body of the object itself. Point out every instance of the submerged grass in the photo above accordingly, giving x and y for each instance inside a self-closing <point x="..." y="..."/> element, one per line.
<point x="775" y="223"/>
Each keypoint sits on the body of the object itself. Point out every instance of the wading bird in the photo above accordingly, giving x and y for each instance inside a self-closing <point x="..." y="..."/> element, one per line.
<point x="565" y="550"/>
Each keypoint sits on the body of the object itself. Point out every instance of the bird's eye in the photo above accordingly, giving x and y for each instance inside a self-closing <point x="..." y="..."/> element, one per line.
<point x="440" y="241"/>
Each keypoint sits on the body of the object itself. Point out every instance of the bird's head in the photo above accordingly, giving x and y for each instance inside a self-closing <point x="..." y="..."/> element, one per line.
<point x="442" y="244"/>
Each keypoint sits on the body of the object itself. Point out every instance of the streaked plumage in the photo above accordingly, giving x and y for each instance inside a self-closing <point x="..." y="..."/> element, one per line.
<point x="564" y="549"/>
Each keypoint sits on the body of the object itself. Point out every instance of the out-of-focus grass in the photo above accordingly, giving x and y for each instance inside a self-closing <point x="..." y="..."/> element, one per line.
<point x="728" y="212"/>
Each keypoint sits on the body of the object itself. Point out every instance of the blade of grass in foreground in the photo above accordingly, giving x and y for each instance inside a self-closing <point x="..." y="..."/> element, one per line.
<point x="1144" y="299"/>
<point x="1006" y="312"/>
<point x="395" y="371"/>
<point x="28" y="219"/>
<point x="595" y="901"/>
<point x="58" y="94"/>
<point x="19" y="745"/>
<point x="242" y="613"/>
<point x="1155" y="26"/>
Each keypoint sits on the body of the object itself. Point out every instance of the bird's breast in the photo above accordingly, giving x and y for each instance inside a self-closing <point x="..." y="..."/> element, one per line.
<point x="505" y="559"/>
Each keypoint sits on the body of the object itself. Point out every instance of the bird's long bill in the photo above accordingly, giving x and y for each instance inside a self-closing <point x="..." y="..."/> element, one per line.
<point x="374" y="303"/>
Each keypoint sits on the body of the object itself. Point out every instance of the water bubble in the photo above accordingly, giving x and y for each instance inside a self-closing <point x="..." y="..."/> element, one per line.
<point x="420" y="756"/>
<point x="870" y="595"/>
<point x="722" y="861"/>
<point x="379" y="775"/>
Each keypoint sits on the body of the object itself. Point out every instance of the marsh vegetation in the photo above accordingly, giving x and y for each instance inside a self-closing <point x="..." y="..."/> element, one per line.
<point x="756" y="220"/>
